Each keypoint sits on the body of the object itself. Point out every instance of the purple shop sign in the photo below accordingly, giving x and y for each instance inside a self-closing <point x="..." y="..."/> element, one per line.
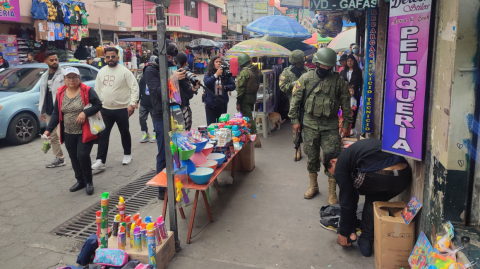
<point x="408" y="33"/>
<point x="10" y="10"/>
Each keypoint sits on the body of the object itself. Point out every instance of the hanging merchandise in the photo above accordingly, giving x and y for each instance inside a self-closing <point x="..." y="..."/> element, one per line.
<point x="74" y="36"/>
<point x="52" y="12"/>
<point x="41" y="30"/>
<point x="58" y="29"/>
<point x="66" y="13"/>
<point x="59" y="10"/>
<point x="84" y="14"/>
<point x="83" y="31"/>
<point x="66" y="32"/>
<point x="39" y="10"/>
<point x="328" y="26"/>
<point x="51" y="31"/>
<point x="73" y="14"/>
<point x="120" y="54"/>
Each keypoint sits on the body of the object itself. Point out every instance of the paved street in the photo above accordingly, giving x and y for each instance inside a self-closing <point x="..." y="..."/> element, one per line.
<point x="275" y="229"/>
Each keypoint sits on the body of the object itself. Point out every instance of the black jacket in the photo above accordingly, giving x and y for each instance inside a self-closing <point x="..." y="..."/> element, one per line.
<point x="145" y="99"/>
<point x="5" y="64"/>
<point x="356" y="80"/>
<point x="152" y="77"/>
<point x="186" y="92"/>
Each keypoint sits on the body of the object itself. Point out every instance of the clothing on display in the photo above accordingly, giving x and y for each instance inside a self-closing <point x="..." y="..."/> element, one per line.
<point x="41" y="31"/>
<point x="66" y="12"/>
<point x="74" y="36"/>
<point x="58" y="31"/>
<point x="51" y="31"/>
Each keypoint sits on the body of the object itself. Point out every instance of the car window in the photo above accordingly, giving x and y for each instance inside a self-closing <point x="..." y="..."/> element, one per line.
<point x="86" y="74"/>
<point x="19" y="79"/>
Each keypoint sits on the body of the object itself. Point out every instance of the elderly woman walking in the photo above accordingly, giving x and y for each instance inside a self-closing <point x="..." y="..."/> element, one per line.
<point x="71" y="116"/>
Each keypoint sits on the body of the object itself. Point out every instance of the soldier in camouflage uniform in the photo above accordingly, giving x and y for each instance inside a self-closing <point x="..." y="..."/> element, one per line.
<point x="329" y="92"/>
<point x="247" y="83"/>
<point x="287" y="80"/>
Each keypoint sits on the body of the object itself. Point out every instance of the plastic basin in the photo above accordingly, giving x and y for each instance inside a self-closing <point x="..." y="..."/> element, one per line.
<point x="190" y="166"/>
<point x="198" y="158"/>
<point x="187" y="154"/>
<point x="208" y="149"/>
<point x="200" y="145"/>
<point x="202" y="175"/>
<point x="210" y="163"/>
<point x="219" y="157"/>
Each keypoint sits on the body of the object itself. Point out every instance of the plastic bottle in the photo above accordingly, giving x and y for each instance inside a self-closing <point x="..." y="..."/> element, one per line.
<point x="121" y="208"/>
<point x="137" y="235"/>
<point x="128" y="221"/>
<point x="116" y="222"/>
<point x="132" y="230"/>
<point x="143" y="231"/>
<point x="152" y="251"/>
<point x="122" y="240"/>
<point x="161" y="228"/>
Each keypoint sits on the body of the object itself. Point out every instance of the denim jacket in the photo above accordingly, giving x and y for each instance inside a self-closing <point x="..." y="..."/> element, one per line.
<point x="39" y="10"/>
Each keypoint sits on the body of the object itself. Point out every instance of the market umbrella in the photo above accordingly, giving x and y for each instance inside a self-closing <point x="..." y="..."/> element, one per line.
<point x="280" y="40"/>
<point x="343" y="40"/>
<point x="258" y="48"/>
<point x="134" y="39"/>
<point x="281" y="26"/>
<point x="299" y="45"/>
<point x="316" y="38"/>
<point x="201" y="43"/>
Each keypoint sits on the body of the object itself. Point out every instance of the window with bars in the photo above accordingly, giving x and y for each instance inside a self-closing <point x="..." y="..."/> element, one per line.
<point x="212" y="13"/>
<point x="191" y="8"/>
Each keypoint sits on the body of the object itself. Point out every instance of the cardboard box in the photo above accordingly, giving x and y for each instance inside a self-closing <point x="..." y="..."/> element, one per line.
<point x="394" y="240"/>
<point x="165" y="251"/>
<point x="245" y="160"/>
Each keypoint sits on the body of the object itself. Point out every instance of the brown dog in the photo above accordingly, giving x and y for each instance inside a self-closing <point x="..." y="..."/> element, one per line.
<point x="275" y="119"/>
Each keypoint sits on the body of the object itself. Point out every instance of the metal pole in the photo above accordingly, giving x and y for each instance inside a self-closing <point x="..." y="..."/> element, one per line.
<point x="100" y="32"/>
<point x="162" y="60"/>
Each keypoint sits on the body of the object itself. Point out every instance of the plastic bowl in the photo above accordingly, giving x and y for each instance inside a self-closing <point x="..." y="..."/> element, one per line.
<point x="202" y="175"/>
<point x="187" y="154"/>
<point x="190" y="166"/>
<point x="198" y="158"/>
<point x="219" y="157"/>
<point x="208" y="149"/>
<point x="200" y="145"/>
<point x="210" y="163"/>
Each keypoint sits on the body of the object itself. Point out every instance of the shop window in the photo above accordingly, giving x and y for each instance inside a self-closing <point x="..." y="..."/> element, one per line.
<point x="191" y="8"/>
<point x="212" y="13"/>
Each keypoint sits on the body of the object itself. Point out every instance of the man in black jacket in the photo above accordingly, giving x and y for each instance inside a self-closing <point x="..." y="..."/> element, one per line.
<point x="364" y="169"/>
<point x="145" y="108"/>
<point x="152" y="77"/>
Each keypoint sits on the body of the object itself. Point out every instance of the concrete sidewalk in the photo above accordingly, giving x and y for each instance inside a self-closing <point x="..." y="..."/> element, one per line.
<point x="262" y="220"/>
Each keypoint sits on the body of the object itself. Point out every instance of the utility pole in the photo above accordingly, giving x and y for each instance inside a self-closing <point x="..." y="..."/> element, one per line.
<point x="162" y="63"/>
<point x="100" y="32"/>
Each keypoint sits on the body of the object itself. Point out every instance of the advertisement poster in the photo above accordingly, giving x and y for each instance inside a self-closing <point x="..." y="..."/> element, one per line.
<point x="10" y="10"/>
<point x="260" y="8"/>
<point x="9" y="48"/>
<point x="369" y="79"/>
<point x="139" y="48"/>
<point x="408" y="33"/>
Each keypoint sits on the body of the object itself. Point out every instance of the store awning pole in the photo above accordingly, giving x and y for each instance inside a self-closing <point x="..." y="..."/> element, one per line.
<point x="162" y="60"/>
<point x="100" y="31"/>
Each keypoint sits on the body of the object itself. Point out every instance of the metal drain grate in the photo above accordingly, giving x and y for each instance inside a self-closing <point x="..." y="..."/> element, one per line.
<point x="136" y="194"/>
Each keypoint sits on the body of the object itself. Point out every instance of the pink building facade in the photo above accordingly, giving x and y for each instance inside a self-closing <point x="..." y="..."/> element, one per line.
<point x="185" y="21"/>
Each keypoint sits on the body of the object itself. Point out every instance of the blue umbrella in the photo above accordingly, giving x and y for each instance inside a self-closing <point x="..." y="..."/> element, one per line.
<point x="280" y="26"/>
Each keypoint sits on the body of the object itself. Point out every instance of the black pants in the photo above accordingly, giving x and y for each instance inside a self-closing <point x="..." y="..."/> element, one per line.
<point x="213" y="114"/>
<point x="79" y="153"/>
<point x="110" y="117"/>
<point x="377" y="187"/>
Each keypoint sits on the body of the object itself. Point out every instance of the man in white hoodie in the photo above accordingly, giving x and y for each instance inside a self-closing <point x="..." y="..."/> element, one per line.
<point x="118" y="89"/>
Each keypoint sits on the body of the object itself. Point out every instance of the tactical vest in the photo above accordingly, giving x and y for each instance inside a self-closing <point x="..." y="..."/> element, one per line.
<point x="253" y="82"/>
<point x="324" y="101"/>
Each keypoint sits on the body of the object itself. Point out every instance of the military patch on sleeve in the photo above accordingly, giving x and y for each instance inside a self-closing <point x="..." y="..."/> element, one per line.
<point x="282" y="78"/>
<point x="296" y="86"/>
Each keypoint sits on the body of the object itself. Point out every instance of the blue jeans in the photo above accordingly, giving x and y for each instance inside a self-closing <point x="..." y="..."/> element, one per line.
<point x="161" y="161"/>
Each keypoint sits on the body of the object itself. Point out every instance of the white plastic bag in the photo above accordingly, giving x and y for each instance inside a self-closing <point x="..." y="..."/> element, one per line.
<point x="96" y="122"/>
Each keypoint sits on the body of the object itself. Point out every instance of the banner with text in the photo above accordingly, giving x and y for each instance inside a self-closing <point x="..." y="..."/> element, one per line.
<point x="10" y="10"/>
<point x="370" y="62"/>
<point x="407" y="54"/>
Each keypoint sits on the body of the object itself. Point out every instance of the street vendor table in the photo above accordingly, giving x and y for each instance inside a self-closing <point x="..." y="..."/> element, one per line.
<point x="161" y="181"/>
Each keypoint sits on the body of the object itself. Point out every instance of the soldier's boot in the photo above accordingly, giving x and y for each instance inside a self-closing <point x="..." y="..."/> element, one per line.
<point x="332" y="191"/>
<point x="313" y="189"/>
<point x="257" y="142"/>
<point x="298" y="155"/>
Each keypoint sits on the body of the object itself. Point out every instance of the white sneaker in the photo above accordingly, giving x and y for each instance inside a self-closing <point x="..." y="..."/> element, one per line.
<point x="98" y="165"/>
<point x="127" y="159"/>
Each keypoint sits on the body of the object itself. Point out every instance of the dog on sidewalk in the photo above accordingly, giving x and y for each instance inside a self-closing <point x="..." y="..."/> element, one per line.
<point x="274" y="118"/>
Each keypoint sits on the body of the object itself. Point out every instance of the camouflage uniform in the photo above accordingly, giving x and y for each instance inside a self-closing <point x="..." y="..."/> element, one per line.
<point x="320" y="120"/>
<point x="247" y="98"/>
<point x="287" y="81"/>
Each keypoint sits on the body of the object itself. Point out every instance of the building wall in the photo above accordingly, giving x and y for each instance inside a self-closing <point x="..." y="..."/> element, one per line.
<point x="241" y="12"/>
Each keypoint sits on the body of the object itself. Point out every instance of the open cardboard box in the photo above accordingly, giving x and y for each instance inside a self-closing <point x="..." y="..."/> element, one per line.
<point x="394" y="240"/>
<point x="165" y="251"/>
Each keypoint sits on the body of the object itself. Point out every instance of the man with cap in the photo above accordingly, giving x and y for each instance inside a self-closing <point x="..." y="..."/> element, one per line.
<point x="3" y="62"/>
<point x="322" y="92"/>
<point x="152" y="77"/>
<point x="247" y="85"/>
<point x="342" y="61"/>
<point x="287" y="80"/>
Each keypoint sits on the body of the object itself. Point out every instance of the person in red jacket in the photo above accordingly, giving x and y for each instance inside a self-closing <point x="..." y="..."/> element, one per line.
<point x="71" y="117"/>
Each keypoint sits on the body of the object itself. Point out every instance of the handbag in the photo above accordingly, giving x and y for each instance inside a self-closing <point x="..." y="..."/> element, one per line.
<point x="111" y="257"/>
<point x="96" y="121"/>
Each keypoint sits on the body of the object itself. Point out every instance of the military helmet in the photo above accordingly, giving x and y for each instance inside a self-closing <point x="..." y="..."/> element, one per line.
<point x="243" y="59"/>
<point x="297" y="57"/>
<point x="325" y="56"/>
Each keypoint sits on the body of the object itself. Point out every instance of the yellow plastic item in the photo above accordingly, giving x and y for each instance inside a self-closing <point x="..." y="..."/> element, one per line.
<point x="178" y="187"/>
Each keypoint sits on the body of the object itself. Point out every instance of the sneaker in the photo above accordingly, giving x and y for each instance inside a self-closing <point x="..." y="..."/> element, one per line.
<point x="145" y="137"/>
<point x="154" y="138"/>
<point x="98" y="165"/>
<point x="127" y="159"/>
<point x="330" y="224"/>
<point x="56" y="163"/>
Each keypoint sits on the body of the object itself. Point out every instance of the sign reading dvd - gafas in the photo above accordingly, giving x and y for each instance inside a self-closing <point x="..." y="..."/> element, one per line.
<point x="342" y="4"/>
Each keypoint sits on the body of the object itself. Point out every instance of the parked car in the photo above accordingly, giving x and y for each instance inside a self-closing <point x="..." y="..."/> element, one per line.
<point x="19" y="95"/>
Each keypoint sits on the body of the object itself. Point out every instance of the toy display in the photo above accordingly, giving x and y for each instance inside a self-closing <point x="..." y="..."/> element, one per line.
<point x="122" y="240"/>
<point x="104" y="221"/>
<point x="411" y="210"/>
<point x="151" y="245"/>
<point x="121" y="208"/>
<point x="327" y="26"/>
<point x="422" y="254"/>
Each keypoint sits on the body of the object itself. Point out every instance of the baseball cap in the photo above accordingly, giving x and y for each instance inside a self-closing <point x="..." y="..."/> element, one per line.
<point x="70" y="70"/>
